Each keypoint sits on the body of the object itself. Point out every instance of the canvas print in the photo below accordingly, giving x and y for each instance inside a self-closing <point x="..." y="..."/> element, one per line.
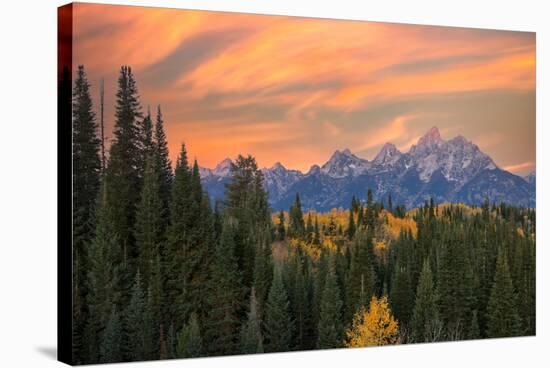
<point x="247" y="183"/>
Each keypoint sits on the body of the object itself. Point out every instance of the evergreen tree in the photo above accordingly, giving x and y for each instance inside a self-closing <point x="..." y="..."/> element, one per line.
<point x="189" y="339"/>
<point x="225" y="294"/>
<point x="86" y="172"/>
<point x="149" y="222"/>
<point x="331" y="331"/>
<point x="402" y="295"/>
<point x="351" y="226"/>
<point x="251" y="331"/>
<point x="134" y="327"/>
<point x="425" y="313"/>
<point x="123" y="180"/>
<point x="263" y="270"/>
<point x="278" y="324"/>
<point x="163" y="164"/>
<point x="246" y="203"/>
<point x="111" y="344"/>
<point x="503" y="318"/>
<point x="281" y="232"/>
<point x="296" y="225"/>
<point x="360" y="283"/>
<point x="190" y="241"/>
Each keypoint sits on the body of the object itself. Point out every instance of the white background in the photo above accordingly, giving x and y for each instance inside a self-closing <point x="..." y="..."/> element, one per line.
<point x="28" y="180"/>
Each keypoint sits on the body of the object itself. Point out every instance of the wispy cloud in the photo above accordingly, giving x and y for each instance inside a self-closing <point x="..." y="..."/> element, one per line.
<point x="307" y="79"/>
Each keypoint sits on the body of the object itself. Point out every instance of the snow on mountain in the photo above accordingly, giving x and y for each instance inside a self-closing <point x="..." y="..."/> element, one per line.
<point x="458" y="159"/>
<point x="387" y="156"/>
<point x="278" y="179"/>
<point x="344" y="163"/>
<point x="446" y="170"/>
<point x="223" y="169"/>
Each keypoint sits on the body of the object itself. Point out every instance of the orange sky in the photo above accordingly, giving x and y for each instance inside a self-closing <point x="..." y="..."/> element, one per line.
<point x="293" y="89"/>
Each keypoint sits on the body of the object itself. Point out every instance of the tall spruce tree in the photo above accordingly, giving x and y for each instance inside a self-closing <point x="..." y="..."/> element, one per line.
<point x="189" y="344"/>
<point x="135" y="333"/>
<point x="251" y="331"/>
<point x="149" y="222"/>
<point x="502" y="314"/>
<point x="296" y="225"/>
<point x="331" y="330"/>
<point x="278" y="323"/>
<point x="225" y="297"/>
<point x="111" y="343"/>
<point x="281" y="231"/>
<point x="402" y="295"/>
<point x="425" y="314"/>
<point x="361" y="279"/>
<point x="123" y="180"/>
<point x="163" y="163"/>
<point x="86" y="182"/>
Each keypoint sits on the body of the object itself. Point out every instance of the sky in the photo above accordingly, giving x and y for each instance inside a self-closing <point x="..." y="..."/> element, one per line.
<point x="294" y="90"/>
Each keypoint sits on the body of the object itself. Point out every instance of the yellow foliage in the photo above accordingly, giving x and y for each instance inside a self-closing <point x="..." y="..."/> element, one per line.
<point x="374" y="327"/>
<point x="395" y="225"/>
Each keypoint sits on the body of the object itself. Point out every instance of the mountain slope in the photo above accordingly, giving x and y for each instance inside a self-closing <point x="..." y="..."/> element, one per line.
<point x="454" y="170"/>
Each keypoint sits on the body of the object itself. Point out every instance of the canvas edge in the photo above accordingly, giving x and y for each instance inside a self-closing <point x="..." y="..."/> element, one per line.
<point x="64" y="183"/>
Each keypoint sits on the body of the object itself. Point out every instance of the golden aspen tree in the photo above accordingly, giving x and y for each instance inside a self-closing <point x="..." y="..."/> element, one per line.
<point x="374" y="327"/>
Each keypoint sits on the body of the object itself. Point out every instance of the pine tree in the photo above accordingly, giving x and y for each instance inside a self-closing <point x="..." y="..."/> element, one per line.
<point x="189" y="339"/>
<point x="331" y="330"/>
<point x="296" y="226"/>
<point x="134" y="331"/>
<point x="225" y="297"/>
<point x="278" y="324"/>
<point x="502" y="314"/>
<point x="86" y="173"/>
<point x="111" y="344"/>
<point x="122" y="178"/>
<point x="281" y="232"/>
<point x="190" y="241"/>
<point x="360" y="283"/>
<point x="263" y="270"/>
<point x="164" y="165"/>
<point x="102" y="281"/>
<point x="402" y="295"/>
<point x="251" y="331"/>
<point x="149" y="223"/>
<point x="246" y="203"/>
<point x="425" y="313"/>
<point x="351" y="226"/>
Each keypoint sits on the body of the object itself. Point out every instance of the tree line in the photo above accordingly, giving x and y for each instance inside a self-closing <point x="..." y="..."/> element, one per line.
<point x="159" y="272"/>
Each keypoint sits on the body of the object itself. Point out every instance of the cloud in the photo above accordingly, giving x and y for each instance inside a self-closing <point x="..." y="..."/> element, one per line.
<point x="521" y="167"/>
<point x="302" y="87"/>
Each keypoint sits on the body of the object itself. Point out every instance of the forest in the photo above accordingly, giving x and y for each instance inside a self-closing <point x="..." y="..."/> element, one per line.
<point x="160" y="272"/>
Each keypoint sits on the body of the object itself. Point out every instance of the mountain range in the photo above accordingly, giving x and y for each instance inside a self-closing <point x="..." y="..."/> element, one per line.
<point x="454" y="170"/>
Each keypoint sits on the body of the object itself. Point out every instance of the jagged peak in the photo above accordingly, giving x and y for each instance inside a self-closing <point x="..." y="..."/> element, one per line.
<point x="431" y="137"/>
<point x="277" y="165"/>
<point x="314" y="169"/>
<point x="387" y="154"/>
<point x="223" y="168"/>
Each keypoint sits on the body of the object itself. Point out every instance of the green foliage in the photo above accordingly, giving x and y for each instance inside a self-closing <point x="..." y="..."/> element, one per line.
<point x="225" y="295"/>
<point x="425" y="316"/>
<point x="189" y="339"/>
<point x="111" y="344"/>
<point x="251" y="332"/>
<point x="361" y="280"/>
<point x="278" y="323"/>
<point x="503" y="317"/>
<point x="331" y="330"/>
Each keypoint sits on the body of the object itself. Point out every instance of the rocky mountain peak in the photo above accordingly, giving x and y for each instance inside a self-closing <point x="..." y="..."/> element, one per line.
<point x="389" y="154"/>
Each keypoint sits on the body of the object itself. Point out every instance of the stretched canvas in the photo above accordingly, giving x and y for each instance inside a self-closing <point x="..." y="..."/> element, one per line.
<point x="242" y="184"/>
